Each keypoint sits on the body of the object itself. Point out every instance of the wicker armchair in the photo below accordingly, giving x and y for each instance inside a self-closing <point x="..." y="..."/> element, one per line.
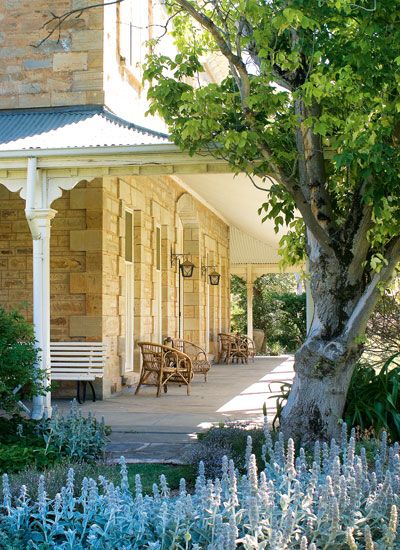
<point x="163" y="365"/>
<point x="231" y="348"/>
<point x="200" y="362"/>
<point x="234" y="347"/>
<point x="249" y="343"/>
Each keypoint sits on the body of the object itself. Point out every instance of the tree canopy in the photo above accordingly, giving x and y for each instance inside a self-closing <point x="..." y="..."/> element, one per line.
<point x="328" y="70"/>
<point x="311" y="98"/>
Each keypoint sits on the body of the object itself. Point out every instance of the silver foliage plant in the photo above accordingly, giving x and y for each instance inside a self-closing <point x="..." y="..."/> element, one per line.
<point x="74" y="435"/>
<point x="329" y="499"/>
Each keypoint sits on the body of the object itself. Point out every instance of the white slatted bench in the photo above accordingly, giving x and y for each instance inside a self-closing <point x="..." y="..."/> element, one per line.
<point x="79" y="361"/>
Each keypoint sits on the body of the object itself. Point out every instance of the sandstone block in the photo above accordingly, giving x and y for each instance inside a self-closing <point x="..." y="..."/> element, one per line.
<point x="87" y="239"/>
<point x="87" y="40"/>
<point x="85" y="326"/>
<point x="34" y="100"/>
<point x="67" y="98"/>
<point x="83" y="283"/>
<point x="88" y="198"/>
<point x="87" y="80"/>
<point x="95" y="97"/>
<point x="30" y="64"/>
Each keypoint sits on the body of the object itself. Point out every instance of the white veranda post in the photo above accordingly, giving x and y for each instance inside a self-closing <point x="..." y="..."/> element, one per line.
<point x="249" y="288"/>
<point x="39" y="216"/>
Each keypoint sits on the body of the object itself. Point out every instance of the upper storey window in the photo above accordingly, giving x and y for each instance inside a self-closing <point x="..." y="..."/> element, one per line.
<point x="134" y="32"/>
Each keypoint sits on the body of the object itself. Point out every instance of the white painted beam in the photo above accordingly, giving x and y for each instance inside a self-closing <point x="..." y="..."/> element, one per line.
<point x="250" y="292"/>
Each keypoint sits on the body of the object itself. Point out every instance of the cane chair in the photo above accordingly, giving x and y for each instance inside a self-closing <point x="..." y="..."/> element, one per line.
<point x="224" y="347"/>
<point x="163" y="365"/>
<point x="238" y="349"/>
<point x="235" y="348"/>
<point x="227" y="347"/>
<point x="249" y="344"/>
<point x="200" y="362"/>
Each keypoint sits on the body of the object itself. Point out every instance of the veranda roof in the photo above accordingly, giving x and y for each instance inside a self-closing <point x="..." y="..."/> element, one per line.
<point x="70" y="127"/>
<point x="81" y="130"/>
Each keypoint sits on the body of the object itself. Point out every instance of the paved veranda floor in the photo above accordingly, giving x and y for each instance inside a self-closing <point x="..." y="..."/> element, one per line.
<point x="150" y="429"/>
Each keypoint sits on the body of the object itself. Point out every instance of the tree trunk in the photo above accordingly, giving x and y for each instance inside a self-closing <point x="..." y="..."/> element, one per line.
<point x="317" y="398"/>
<point x="325" y="362"/>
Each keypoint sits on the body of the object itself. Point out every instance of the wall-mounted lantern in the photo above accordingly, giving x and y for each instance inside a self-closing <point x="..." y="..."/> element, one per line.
<point x="213" y="276"/>
<point x="186" y="271"/>
<point x="186" y="267"/>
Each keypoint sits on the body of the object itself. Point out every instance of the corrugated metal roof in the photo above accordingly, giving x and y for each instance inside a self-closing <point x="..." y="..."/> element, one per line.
<point x="65" y="127"/>
<point x="246" y="249"/>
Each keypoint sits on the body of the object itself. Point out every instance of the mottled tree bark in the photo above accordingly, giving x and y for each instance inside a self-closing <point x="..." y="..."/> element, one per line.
<point x="325" y="362"/>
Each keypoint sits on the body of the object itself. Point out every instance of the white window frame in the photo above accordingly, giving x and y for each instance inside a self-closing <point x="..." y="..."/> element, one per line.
<point x="129" y="300"/>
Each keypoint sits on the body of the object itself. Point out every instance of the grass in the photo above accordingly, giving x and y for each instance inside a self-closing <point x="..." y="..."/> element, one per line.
<point x="150" y="473"/>
<point x="55" y="476"/>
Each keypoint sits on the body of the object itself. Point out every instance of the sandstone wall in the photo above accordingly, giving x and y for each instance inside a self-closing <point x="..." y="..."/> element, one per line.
<point x="68" y="71"/>
<point x="153" y="201"/>
<point x="67" y="266"/>
<point x="89" y="268"/>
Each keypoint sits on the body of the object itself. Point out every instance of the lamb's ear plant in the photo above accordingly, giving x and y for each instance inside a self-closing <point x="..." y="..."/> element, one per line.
<point x="327" y="499"/>
<point x="74" y="435"/>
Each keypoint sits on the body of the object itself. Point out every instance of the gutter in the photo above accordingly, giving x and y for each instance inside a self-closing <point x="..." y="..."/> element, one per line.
<point x="93" y="151"/>
<point x="115" y="149"/>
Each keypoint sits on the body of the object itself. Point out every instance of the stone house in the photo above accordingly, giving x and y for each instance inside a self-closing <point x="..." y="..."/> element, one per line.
<point x="95" y="206"/>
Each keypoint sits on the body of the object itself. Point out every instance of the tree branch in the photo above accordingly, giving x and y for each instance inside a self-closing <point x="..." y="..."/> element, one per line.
<point x="241" y="76"/>
<point x="243" y="82"/>
<point x="355" y="231"/>
<point x="312" y="168"/>
<point x="358" y="320"/>
<point x="60" y="19"/>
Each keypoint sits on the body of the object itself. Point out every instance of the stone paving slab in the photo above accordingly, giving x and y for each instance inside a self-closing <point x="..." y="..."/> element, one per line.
<point x="150" y="429"/>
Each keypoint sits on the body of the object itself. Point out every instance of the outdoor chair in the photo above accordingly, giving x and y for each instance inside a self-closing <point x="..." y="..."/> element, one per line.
<point x="249" y="343"/>
<point x="200" y="362"/>
<point x="224" y="347"/>
<point x="163" y="365"/>
<point x="231" y="348"/>
<point x="235" y="348"/>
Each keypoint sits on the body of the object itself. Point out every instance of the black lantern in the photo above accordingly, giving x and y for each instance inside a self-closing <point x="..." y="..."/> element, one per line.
<point x="186" y="271"/>
<point x="214" y="278"/>
<point x="186" y="268"/>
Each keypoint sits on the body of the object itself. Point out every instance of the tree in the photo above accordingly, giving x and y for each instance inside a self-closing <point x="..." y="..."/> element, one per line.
<point x="310" y="98"/>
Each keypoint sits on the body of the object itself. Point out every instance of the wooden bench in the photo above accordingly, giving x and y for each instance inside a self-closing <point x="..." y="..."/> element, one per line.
<point x="79" y="361"/>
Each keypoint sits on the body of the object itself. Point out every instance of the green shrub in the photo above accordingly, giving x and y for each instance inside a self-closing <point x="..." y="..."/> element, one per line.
<point x="383" y="329"/>
<point x="18" y="357"/>
<point x="373" y="399"/>
<point x="22" y="445"/>
<point x="16" y="457"/>
<point x="277" y="310"/>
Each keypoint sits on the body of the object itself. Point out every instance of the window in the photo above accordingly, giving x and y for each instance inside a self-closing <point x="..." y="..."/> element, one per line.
<point x="128" y="237"/>
<point x="134" y="32"/>
<point x="158" y="248"/>
<point x="129" y="294"/>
